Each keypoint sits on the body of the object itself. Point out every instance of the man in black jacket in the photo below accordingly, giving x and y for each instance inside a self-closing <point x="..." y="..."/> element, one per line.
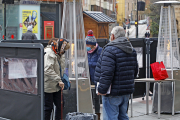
<point x="29" y="35"/>
<point x="116" y="68"/>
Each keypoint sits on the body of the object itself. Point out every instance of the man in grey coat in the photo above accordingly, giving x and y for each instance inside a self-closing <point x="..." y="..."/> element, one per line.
<point x="29" y="35"/>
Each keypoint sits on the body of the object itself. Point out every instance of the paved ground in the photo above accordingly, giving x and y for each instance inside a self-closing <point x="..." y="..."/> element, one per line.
<point x="139" y="111"/>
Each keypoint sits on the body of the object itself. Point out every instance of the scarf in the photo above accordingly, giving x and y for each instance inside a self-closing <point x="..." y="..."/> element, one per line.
<point x="92" y="50"/>
<point x="59" y="46"/>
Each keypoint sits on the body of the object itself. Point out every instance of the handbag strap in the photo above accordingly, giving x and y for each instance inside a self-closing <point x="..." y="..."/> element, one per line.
<point x="60" y="69"/>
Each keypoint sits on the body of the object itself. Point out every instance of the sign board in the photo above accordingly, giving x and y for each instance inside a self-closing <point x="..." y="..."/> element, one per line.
<point x="8" y="1"/>
<point x="30" y="18"/>
<point x="25" y="2"/>
<point x="48" y="29"/>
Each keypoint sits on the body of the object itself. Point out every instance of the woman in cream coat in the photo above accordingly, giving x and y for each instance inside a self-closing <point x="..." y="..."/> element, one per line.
<point x="54" y="55"/>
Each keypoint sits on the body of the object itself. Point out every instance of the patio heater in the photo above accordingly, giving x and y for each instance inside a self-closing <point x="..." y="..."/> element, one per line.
<point x="77" y="68"/>
<point x="168" y="52"/>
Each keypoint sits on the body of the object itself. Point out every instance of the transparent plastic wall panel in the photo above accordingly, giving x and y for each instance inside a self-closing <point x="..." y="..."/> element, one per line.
<point x="168" y="47"/>
<point x="76" y="57"/>
<point x="19" y="75"/>
<point x="75" y="35"/>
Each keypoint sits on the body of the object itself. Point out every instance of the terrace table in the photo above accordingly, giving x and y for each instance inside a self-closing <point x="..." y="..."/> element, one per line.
<point x="152" y="80"/>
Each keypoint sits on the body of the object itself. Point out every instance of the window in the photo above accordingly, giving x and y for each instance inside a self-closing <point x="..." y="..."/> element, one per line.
<point x="110" y="1"/>
<point x="128" y="6"/>
<point x="132" y="7"/>
<point x="86" y="2"/>
<point x="93" y="7"/>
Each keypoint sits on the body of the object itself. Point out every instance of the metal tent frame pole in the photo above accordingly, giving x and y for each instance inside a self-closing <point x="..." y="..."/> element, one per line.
<point x="75" y="47"/>
<point x="159" y="35"/>
<point x="148" y="73"/>
<point x="137" y="22"/>
<point x="71" y="36"/>
<point x="5" y="20"/>
<point x="170" y="36"/>
<point x="64" y="11"/>
<point x="2" y="77"/>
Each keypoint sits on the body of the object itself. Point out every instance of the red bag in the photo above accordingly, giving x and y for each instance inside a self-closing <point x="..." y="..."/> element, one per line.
<point x="159" y="71"/>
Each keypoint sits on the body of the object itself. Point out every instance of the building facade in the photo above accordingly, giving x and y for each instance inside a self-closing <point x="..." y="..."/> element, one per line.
<point x="127" y="10"/>
<point x="105" y="6"/>
<point x="108" y="7"/>
<point x="48" y="20"/>
<point x="130" y="11"/>
<point x="98" y="22"/>
<point x="120" y="12"/>
<point x="177" y="15"/>
<point x="43" y="15"/>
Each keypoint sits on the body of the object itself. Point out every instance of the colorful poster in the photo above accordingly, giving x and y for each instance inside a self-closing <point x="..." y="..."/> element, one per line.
<point x="30" y="18"/>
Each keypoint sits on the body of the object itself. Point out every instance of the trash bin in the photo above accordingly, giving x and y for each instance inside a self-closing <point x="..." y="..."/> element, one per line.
<point x="81" y="116"/>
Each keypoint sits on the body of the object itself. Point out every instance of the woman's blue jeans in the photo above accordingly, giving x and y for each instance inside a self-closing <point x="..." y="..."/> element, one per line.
<point x="115" y="107"/>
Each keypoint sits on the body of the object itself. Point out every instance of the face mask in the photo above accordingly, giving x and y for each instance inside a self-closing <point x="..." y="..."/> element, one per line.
<point x="88" y="48"/>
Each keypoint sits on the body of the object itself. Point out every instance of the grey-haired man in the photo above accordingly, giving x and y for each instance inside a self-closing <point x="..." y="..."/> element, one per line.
<point x="117" y="67"/>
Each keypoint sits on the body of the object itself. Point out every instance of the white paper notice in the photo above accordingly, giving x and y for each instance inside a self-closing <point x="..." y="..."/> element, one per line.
<point x="139" y="51"/>
<point x="22" y="68"/>
<point x="108" y="92"/>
